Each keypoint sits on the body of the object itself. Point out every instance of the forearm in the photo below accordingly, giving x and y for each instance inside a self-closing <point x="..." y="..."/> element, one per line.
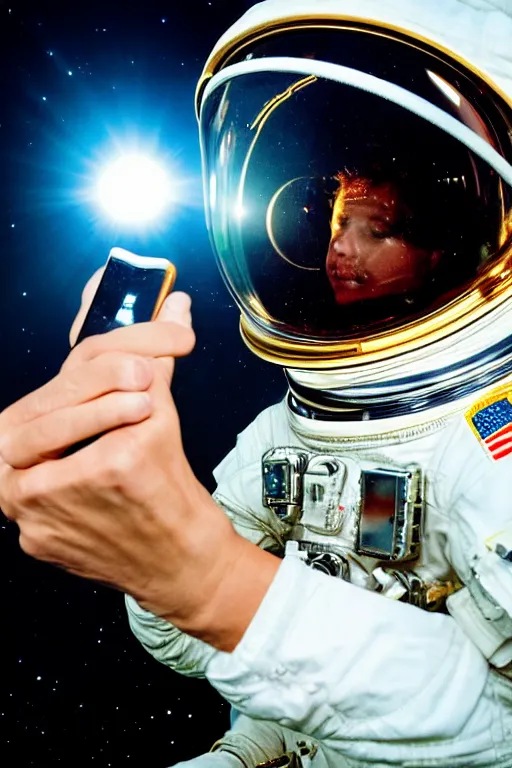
<point x="221" y="627"/>
<point x="227" y="614"/>
<point x="221" y="585"/>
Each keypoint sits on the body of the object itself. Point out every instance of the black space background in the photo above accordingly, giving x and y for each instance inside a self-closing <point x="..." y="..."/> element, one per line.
<point x="75" y="687"/>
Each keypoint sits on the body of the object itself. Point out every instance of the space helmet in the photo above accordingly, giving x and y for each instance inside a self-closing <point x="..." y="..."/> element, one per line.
<point x="357" y="164"/>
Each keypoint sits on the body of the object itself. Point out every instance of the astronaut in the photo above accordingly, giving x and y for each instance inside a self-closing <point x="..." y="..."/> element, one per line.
<point x="383" y="479"/>
<point x="349" y="589"/>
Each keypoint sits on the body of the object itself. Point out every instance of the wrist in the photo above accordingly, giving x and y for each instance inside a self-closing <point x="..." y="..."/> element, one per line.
<point x="245" y="575"/>
<point x="220" y="582"/>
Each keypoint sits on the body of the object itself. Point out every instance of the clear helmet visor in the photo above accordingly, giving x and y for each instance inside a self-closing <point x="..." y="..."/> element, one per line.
<point x="335" y="212"/>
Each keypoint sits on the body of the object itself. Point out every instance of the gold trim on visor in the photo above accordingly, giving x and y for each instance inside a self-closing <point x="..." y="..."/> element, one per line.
<point x="486" y="293"/>
<point x="326" y="21"/>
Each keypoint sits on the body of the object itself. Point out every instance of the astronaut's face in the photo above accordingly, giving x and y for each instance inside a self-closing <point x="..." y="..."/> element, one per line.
<point x="368" y="258"/>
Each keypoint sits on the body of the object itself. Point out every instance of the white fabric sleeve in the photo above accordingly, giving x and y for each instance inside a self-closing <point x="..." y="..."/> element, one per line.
<point x="251" y="743"/>
<point x="348" y="667"/>
<point x="182" y="653"/>
<point x="260" y="741"/>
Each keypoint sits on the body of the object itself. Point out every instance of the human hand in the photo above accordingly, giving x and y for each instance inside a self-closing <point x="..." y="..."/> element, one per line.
<point x="126" y="510"/>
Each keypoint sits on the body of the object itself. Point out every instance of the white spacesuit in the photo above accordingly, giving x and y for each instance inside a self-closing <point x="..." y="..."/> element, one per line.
<point x="359" y="196"/>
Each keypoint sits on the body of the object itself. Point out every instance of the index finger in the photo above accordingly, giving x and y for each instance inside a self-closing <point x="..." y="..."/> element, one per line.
<point x="149" y="340"/>
<point x="106" y="373"/>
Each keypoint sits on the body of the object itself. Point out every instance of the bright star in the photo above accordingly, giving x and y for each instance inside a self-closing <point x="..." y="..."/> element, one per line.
<point x="134" y="189"/>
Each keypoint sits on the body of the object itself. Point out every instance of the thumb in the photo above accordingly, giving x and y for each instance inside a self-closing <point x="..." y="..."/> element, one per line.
<point x="176" y="309"/>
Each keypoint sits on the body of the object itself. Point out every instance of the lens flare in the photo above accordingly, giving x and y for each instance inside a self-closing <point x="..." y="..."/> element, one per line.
<point x="134" y="189"/>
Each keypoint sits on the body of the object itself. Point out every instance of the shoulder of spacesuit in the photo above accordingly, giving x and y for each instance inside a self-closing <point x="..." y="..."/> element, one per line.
<point x="268" y="429"/>
<point x="489" y="424"/>
<point x="478" y="443"/>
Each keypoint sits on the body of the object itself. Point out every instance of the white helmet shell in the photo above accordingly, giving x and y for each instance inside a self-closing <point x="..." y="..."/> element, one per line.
<point x="478" y="31"/>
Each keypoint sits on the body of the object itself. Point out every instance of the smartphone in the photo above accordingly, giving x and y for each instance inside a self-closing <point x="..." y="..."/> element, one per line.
<point x="132" y="290"/>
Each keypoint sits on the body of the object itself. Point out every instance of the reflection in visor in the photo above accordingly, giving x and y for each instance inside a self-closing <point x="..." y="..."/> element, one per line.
<point x="298" y="221"/>
<point x="335" y="210"/>
<point x="373" y="252"/>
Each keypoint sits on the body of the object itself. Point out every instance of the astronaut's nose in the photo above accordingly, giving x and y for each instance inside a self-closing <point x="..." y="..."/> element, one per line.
<point x="344" y="262"/>
<point x="345" y="245"/>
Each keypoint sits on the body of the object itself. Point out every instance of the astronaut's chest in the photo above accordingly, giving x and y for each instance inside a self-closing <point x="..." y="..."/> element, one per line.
<point x="370" y="508"/>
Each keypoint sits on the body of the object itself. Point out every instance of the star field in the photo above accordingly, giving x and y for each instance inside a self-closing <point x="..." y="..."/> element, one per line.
<point x="78" y="81"/>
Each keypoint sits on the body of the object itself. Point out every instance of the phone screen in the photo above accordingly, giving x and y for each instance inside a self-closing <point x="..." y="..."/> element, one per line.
<point x="131" y="291"/>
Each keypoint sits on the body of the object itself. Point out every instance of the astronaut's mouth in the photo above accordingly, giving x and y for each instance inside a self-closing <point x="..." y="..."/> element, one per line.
<point x="347" y="279"/>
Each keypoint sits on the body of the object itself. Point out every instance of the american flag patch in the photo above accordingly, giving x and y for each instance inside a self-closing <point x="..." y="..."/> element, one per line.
<point x="491" y="421"/>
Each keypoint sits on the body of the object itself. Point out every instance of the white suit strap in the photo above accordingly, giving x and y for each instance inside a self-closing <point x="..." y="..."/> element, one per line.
<point x="485" y="622"/>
